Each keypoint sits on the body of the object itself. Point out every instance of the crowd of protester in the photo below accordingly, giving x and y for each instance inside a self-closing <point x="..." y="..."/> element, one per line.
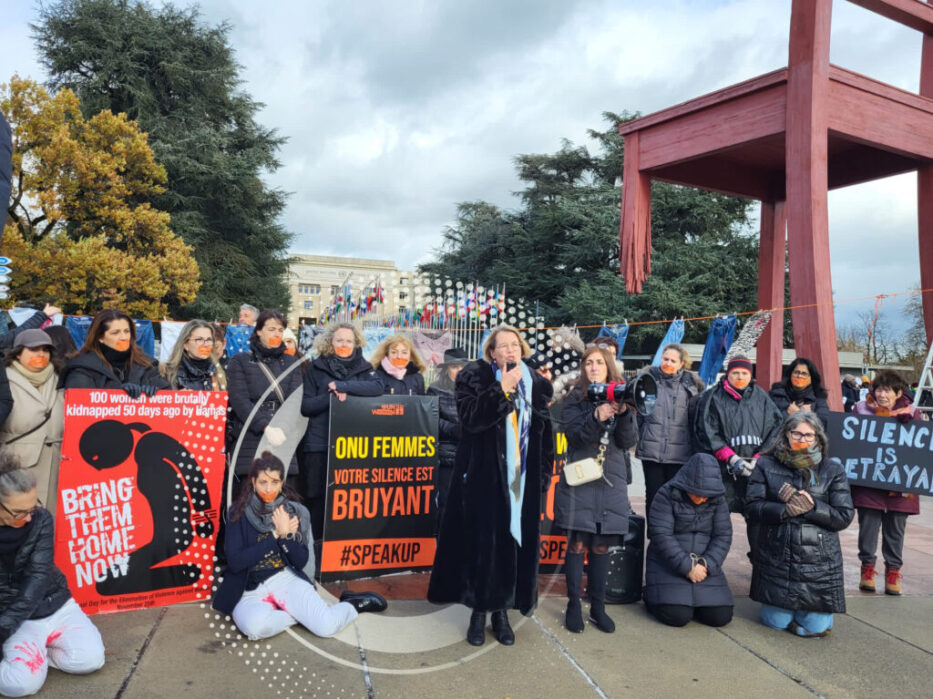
<point x="706" y="452"/>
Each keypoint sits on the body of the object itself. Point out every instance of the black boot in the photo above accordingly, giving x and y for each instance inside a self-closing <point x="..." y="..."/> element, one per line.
<point x="476" y="633"/>
<point x="501" y="629"/>
<point x="596" y="586"/>
<point x="573" y="573"/>
<point x="364" y="601"/>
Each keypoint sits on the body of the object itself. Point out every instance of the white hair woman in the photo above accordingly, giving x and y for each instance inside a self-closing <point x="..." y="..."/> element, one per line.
<point x="487" y="549"/>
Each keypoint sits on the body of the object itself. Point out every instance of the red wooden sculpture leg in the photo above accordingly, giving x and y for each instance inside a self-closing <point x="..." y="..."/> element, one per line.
<point x="771" y="291"/>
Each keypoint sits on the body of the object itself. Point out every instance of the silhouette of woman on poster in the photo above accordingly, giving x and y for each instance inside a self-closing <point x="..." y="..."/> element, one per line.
<point x="170" y="479"/>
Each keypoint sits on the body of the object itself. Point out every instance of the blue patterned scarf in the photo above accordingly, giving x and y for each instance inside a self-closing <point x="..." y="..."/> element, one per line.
<point x="517" y="428"/>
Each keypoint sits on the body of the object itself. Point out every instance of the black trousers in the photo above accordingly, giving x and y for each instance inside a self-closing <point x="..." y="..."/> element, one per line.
<point x="681" y="614"/>
<point x="656" y="475"/>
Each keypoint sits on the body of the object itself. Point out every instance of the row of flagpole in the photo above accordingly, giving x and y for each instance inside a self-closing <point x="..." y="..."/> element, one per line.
<point x="466" y="311"/>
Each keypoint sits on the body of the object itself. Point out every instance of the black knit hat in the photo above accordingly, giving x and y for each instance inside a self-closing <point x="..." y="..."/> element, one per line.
<point x="739" y="363"/>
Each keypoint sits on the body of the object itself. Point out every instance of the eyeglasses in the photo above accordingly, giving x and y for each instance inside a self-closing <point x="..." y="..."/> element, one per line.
<point x="801" y="374"/>
<point x="201" y="340"/>
<point x="803" y="437"/>
<point x="509" y="346"/>
<point x="18" y="516"/>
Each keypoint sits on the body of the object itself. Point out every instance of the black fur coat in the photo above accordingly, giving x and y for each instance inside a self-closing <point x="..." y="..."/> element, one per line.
<point x="478" y="563"/>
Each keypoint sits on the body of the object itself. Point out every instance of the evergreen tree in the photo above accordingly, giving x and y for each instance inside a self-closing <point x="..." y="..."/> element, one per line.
<point x="561" y="247"/>
<point x="178" y="80"/>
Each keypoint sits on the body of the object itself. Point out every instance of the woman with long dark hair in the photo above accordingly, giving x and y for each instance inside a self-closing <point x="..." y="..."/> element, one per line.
<point x="594" y="514"/>
<point x="249" y="377"/>
<point x="801" y="389"/>
<point x="192" y="365"/>
<point x="110" y="358"/>
<point x="268" y="543"/>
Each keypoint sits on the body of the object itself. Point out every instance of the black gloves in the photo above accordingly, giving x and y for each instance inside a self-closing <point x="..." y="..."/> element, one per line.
<point x="134" y="390"/>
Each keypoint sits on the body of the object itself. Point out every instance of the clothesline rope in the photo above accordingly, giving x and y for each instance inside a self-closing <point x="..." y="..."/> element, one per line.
<point x="878" y="299"/>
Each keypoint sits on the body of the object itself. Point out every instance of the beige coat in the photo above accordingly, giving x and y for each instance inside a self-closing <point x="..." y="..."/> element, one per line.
<point x="41" y="449"/>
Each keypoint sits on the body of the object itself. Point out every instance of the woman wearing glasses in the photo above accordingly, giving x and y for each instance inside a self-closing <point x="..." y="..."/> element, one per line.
<point x="487" y="548"/>
<point x="40" y="623"/>
<point x="192" y="365"/>
<point x="801" y="389"/>
<point x="800" y="499"/>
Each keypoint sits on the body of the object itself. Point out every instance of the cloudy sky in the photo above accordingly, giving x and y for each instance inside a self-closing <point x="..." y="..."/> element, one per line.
<point x="396" y="110"/>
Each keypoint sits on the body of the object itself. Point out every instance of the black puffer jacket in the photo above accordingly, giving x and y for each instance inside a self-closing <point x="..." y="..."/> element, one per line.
<point x="799" y="564"/>
<point x="783" y="396"/>
<point x="246" y="384"/>
<point x="678" y="528"/>
<point x="34" y="588"/>
<point x="412" y="384"/>
<point x="664" y="436"/>
<point x="583" y="507"/>
<point x="448" y="424"/>
<point x="87" y="370"/>
<point x="354" y="376"/>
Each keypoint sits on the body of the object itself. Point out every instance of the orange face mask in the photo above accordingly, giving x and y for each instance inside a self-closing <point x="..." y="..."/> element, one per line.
<point x="740" y="383"/>
<point x="399" y="362"/>
<point x="275" y="341"/>
<point x="267" y="497"/>
<point x="289" y="350"/>
<point x="343" y="351"/>
<point x="668" y="369"/>
<point x="203" y="351"/>
<point x="697" y="499"/>
<point x="38" y="361"/>
<point x="123" y="345"/>
<point x="797" y="446"/>
<point x="799" y="382"/>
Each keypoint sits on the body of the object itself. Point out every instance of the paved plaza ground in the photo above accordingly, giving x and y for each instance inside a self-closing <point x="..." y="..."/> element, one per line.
<point x="883" y="646"/>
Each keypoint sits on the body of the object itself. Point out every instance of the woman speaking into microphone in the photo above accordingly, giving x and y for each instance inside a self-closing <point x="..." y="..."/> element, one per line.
<point x="487" y="550"/>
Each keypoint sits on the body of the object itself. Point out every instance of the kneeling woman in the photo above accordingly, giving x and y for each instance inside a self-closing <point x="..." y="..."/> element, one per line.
<point x="268" y="543"/>
<point x="801" y="499"/>
<point x="690" y="533"/>
<point x="40" y="623"/>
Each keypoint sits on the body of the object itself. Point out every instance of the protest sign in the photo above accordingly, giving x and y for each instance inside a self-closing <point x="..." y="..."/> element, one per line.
<point x="883" y="453"/>
<point x="139" y="492"/>
<point x="553" y="544"/>
<point x="382" y="458"/>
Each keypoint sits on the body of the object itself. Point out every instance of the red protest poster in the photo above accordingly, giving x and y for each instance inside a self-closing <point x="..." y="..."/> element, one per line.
<point x="139" y="497"/>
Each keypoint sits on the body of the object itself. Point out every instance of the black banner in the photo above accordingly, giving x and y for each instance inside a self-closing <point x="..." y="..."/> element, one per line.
<point x="382" y="459"/>
<point x="880" y="452"/>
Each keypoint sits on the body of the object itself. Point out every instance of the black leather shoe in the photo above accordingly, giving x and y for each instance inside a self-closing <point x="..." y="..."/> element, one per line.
<point x="476" y="633"/>
<point x="364" y="601"/>
<point x="501" y="629"/>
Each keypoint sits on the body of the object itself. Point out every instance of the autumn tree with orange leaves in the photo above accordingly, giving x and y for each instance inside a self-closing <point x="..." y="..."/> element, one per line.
<point x="80" y="227"/>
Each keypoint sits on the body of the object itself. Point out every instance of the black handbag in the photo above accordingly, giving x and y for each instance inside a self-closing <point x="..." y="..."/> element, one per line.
<point x="627" y="564"/>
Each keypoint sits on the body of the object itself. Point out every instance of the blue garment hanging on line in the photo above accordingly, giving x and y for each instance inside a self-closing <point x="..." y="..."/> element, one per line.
<point x="145" y="336"/>
<point x="675" y="333"/>
<point x="374" y="337"/>
<point x="619" y="333"/>
<point x="718" y="342"/>
<point x="78" y="326"/>
<point x="238" y="338"/>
